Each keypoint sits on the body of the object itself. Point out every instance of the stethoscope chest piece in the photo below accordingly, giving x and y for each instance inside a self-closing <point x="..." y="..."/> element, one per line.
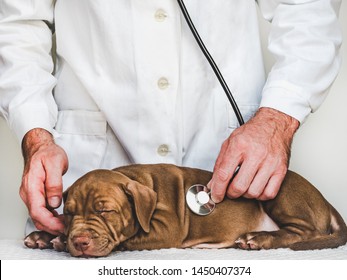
<point x="199" y="200"/>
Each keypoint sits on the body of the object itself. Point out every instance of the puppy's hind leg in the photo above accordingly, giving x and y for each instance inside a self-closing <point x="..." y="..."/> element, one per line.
<point x="282" y="238"/>
<point x="302" y="215"/>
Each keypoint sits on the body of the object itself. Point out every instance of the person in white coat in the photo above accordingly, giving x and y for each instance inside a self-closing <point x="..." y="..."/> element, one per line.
<point x="130" y="85"/>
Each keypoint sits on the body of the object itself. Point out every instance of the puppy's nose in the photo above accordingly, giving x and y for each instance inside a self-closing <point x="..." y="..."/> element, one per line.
<point x="81" y="243"/>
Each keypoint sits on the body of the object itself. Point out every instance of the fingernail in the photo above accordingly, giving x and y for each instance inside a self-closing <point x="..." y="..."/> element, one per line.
<point x="211" y="186"/>
<point x="214" y="199"/>
<point x="217" y="197"/>
<point x="54" y="201"/>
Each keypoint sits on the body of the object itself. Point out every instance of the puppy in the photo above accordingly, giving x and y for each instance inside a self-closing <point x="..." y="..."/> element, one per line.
<point x="141" y="207"/>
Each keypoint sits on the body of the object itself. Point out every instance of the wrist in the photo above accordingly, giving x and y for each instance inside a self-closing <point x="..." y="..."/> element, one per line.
<point x="33" y="140"/>
<point x="279" y="120"/>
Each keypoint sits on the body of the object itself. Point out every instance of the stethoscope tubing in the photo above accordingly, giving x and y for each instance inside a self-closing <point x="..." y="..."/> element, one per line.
<point x="191" y="195"/>
<point x="212" y="63"/>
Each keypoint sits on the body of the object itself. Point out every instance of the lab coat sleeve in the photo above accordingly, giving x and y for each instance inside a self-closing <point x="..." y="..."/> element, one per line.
<point x="305" y="39"/>
<point x="26" y="65"/>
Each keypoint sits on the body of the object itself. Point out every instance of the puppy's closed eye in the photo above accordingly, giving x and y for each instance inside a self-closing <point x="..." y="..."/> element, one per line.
<point x="105" y="207"/>
<point x="106" y="214"/>
<point x="104" y="211"/>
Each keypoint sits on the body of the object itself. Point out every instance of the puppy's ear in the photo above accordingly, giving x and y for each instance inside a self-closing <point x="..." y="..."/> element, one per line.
<point x="145" y="200"/>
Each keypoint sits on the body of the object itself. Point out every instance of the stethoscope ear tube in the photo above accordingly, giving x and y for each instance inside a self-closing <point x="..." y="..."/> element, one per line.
<point x="211" y="62"/>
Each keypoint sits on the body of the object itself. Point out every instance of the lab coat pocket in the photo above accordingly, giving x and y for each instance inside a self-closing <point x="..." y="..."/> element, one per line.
<point x="247" y="112"/>
<point x="82" y="134"/>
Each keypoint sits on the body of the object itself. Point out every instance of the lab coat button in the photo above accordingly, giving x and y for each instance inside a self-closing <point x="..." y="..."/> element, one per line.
<point x="163" y="83"/>
<point x="160" y="15"/>
<point x="163" y="150"/>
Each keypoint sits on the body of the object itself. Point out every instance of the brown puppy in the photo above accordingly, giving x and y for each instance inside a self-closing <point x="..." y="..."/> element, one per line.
<point x="143" y="207"/>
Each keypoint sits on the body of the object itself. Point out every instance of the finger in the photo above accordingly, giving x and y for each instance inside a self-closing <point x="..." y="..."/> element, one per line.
<point x="243" y="179"/>
<point x="215" y="194"/>
<point x="272" y="188"/>
<point x="259" y="182"/>
<point x="61" y="218"/>
<point x="221" y="178"/>
<point x="36" y="202"/>
<point x="59" y="231"/>
<point x="54" y="184"/>
<point x="45" y="220"/>
<point x="227" y="162"/>
<point x="32" y="190"/>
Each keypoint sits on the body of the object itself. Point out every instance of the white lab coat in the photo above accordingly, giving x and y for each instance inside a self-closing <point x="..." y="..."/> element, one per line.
<point x="130" y="84"/>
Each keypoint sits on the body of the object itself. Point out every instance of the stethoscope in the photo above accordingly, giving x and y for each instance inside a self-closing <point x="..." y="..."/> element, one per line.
<point x="198" y="197"/>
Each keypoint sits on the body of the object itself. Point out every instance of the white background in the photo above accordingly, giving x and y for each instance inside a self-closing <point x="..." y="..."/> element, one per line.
<point x="319" y="152"/>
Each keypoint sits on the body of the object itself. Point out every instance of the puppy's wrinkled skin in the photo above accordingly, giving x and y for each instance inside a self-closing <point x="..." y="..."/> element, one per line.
<point x="143" y="207"/>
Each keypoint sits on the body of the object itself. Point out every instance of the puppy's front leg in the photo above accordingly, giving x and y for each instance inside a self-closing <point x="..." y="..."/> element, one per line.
<point x="45" y="240"/>
<point x="164" y="233"/>
<point x="39" y="240"/>
<point x="59" y="243"/>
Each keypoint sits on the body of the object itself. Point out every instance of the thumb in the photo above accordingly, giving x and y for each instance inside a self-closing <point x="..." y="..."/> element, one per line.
<point x="55" y="168"/>
<point x="54" y="188"/>
<point x="218" y="185"/>
<point x="220" y="182"/>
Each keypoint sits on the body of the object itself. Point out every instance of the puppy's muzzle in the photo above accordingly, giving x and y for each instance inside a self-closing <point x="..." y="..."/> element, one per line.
<point x="82" y="242"/>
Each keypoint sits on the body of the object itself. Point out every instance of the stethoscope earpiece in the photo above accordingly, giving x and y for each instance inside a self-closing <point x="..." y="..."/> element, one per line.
<point x="199" y="200"/>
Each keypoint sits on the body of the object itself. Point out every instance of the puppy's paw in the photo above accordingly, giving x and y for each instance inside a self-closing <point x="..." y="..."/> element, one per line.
<point x="255" y="241"/>
<point x="39" y="240"/>
<point x="59" y="243"/>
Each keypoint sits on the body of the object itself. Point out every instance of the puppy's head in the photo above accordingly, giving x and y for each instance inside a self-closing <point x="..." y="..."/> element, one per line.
<point x="102" y="209"/>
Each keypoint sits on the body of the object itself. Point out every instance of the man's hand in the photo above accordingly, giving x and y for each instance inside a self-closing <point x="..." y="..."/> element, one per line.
<point x="261" y="148"/>
<point x="41" y="188"/>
